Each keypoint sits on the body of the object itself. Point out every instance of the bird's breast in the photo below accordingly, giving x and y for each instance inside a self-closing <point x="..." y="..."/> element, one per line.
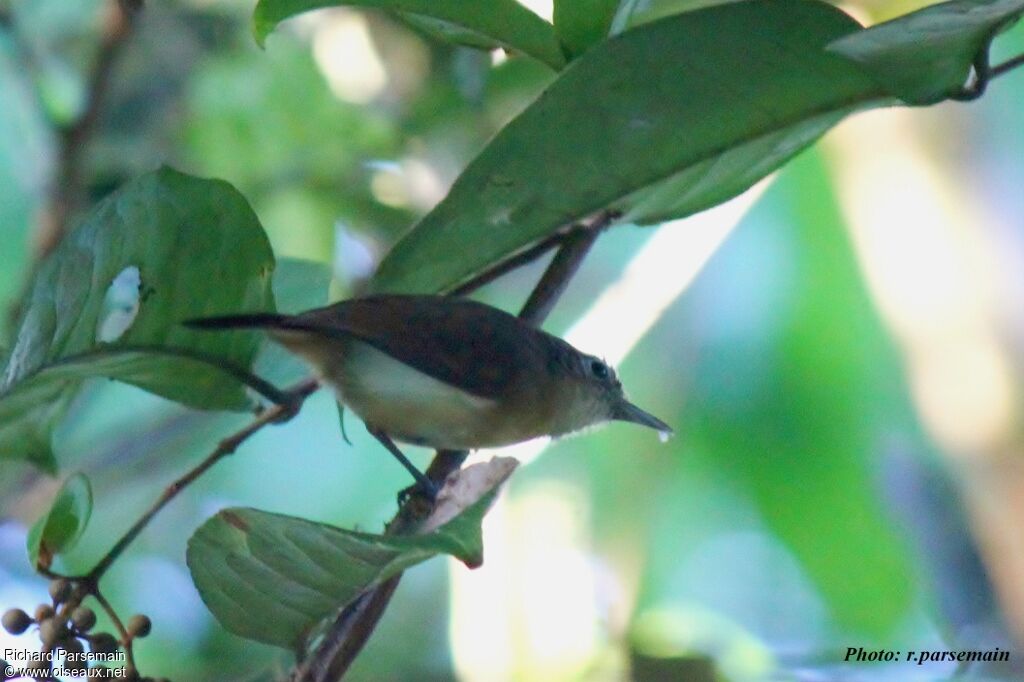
<point x="414" y="407"/>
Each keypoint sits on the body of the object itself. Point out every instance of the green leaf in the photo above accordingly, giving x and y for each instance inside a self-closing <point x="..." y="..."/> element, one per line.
<point x="275" y="578"/>
<point x="707" y="94"/>
<point x="677" y="115"/>
<point x="583" y="23"/>
<point x="60" y="528"/>
<point x="636" y="12"/>
<point x="447" y="32"/>
<point x="926" y="56"/>
<point x="109" y="301"/>
<point x="719" y="178"/>
<point x="506" y="22"/>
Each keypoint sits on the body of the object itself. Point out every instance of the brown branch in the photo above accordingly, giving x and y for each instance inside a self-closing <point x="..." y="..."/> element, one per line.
<point x="1006" y="67"/>
<point x="982" y="74"/>
<point x="531" y="254"/>
<point x="66" y="191"/>
<point x="122" y="632"/>
<point x="66" y="186"/>
<point x="560" y="271"/>
<point x="508" y="265"/>
<point x="275" y="414"/>
<point x="352" y="628"/>
<point x="88" y="584"/>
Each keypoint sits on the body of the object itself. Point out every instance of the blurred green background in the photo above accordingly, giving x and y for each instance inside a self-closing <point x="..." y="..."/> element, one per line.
<point x="842" y="363"/>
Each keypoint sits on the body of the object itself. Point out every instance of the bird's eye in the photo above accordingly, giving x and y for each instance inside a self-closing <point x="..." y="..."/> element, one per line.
<point x="599" y="369"/>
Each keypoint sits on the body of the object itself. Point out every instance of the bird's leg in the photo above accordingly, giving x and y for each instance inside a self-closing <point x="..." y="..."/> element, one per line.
<point x="423" y="484"/>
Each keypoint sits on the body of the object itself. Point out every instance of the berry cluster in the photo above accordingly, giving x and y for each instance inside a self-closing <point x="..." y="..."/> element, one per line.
<point x="65" y="626"/>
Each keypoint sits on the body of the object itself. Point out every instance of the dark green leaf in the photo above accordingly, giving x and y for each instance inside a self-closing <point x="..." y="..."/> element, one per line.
<point x="716" y="179"/>
<point x="189" y="247"/>
<point x="925" y="57"/>
<point x="582" y="23"/>
<point x="274" y="578"/>
<point x="680" y="114"/>
<point x="506" y="22"/>
<point x="711" y="99"/>
<point x="636" y="12"/>
<point x="447" y="32"/>
<point x="59" y="529"/>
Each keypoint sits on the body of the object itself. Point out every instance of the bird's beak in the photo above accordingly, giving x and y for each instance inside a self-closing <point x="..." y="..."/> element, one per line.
<point x="628" y="412"/>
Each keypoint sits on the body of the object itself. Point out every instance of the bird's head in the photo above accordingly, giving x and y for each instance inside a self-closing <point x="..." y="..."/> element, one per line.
<point x="596" y="395"/>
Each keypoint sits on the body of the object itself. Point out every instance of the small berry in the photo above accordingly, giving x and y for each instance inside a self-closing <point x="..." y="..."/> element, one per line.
<point x="16" y="621"/>
<point x="103" y="643"/>
<point x="43" y="611"/>
<point x="60" y="589"/>
<point x="139" y="625"/>
<point x="51" y="631"/>
<point x="83" y="618"/>
<point x="77" y="667"/>
<point x="38" y="666"/>
<point x="71" y="645"/>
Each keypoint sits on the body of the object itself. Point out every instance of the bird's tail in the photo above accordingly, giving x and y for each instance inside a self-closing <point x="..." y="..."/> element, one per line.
<point x="251" y="321"/>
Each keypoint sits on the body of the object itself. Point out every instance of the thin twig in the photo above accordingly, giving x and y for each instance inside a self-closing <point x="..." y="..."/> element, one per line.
<point x="67" y="187"/>
<point x="982" y="75"/>
<point x="508" y="265"/>
<point x="274" y="414"/>
<point x="352" y="628"/>
<point x="1007" y="66"/>
<point x="560" y="271"/>
<point x="292" y="402"/>
<point x="122" y="631"/>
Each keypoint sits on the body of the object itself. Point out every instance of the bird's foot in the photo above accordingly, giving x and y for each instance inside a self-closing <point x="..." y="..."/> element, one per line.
<point x="423" y="488"/>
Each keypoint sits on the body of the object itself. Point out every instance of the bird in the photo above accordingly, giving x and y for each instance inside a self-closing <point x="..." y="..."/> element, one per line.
<point x="446" y="372"/>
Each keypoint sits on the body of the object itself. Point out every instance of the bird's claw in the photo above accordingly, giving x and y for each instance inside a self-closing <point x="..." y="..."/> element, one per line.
<point x="424" y="489"/>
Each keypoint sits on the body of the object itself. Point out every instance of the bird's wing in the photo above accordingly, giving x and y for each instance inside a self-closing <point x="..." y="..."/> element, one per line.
<point x="466" y="344"/>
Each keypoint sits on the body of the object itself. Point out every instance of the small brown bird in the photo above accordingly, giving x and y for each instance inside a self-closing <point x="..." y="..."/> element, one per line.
<point x="449" y="373"/>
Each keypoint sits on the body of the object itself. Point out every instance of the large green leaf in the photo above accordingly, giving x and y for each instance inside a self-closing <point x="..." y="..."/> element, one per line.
<point x="671" y="97"/>
<point x="191" y="247"/>
<point x="447" y="32"/>
<point x="926" y="56"/>
<point x="60" y="528"/>
<point x="583" y="23"/>
<point x="674" y="116"/>
<point x="714" y="180"/>
<point x="636" y="12"/>
<point x="506" y="22"/>
<point x="275" y="578"/>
